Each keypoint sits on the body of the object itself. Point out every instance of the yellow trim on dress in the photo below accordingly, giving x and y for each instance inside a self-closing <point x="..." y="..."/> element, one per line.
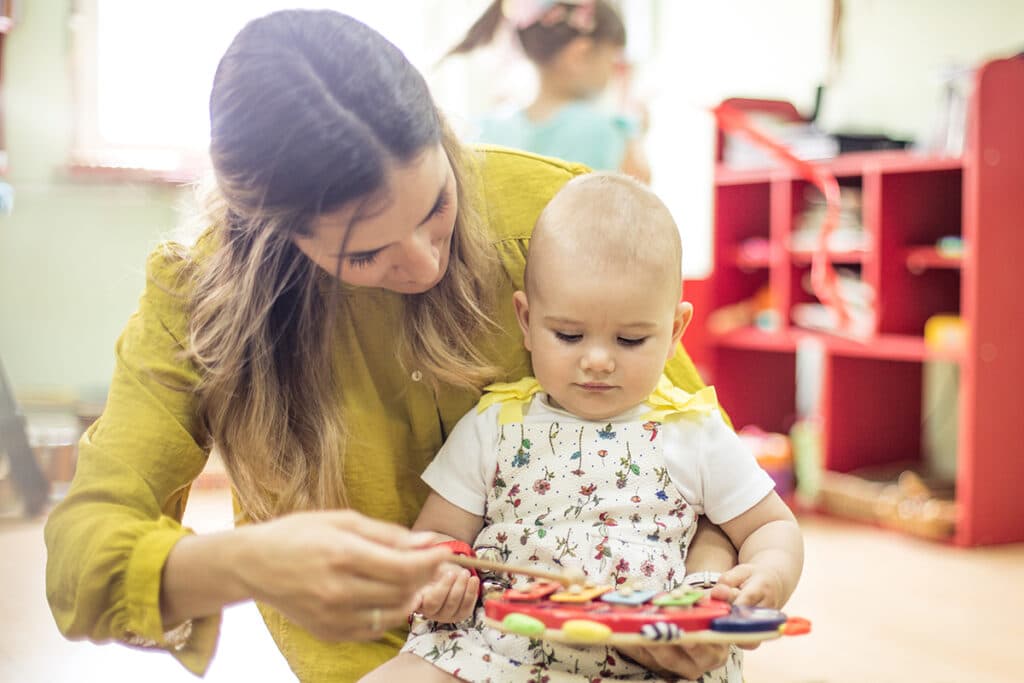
<point x="666" y="400"/>
<point x="512" y="395"/>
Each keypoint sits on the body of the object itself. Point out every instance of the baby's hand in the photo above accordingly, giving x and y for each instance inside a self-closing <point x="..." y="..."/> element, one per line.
<point x="751" y="584"/>
<point x="451" y="598"/>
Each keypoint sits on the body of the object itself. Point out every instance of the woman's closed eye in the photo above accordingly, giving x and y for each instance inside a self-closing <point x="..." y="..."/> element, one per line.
<point x="444" y="200"/>
<point x="368" y="258"/>
<point x="362" y="260"/>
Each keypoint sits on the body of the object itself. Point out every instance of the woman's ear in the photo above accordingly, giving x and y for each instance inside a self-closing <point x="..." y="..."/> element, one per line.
<point x="522" y="306"/>
<point x="681" y="320"/>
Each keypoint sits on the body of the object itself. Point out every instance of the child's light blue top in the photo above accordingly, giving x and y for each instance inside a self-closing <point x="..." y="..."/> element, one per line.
<point x="581" y="132"/>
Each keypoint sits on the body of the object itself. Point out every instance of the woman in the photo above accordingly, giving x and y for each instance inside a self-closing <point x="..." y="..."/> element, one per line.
<point x="325" y="334"/>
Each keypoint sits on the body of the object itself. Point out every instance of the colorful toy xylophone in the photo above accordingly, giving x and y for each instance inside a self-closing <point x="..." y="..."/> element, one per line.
<point x="561" y="608"/>
<point x="601" y="615"/>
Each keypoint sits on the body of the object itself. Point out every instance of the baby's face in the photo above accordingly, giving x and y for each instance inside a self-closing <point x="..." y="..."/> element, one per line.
<point x="599" y="340"/>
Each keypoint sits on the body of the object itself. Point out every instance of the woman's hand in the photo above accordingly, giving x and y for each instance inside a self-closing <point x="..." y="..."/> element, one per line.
<point x="675" y="661"/>
<point x="339" y="574"/>
<point x="452" y="598"/>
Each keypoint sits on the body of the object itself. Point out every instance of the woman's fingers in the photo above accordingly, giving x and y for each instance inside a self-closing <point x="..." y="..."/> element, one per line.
<point x="358" y="592"/>
<point x="341" y="575"/>
<point x="360" y="552"/>
<point x="384" y="533"/>
<point x="688" y="661"/>
<point x="370" y="623"/>
<point x="691" y="661"/>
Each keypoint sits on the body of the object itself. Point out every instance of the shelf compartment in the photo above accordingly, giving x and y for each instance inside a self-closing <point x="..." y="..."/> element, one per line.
<point x="752" y="254"/>
<point x="911" y="298"/>
<point x="913" y="211"/>
<point x="741" y="213"/>
<point x="871" y="408"/>
<point x="756" y="387"/>
<point x="920" y="259"/>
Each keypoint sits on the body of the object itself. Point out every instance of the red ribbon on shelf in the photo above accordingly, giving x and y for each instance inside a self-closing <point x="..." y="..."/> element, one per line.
<point x="824" y="280"/>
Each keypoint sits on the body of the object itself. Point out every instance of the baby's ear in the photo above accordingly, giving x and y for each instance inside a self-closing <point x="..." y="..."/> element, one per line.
<point x="522" y="308"/>
<point x="681" y="320"/>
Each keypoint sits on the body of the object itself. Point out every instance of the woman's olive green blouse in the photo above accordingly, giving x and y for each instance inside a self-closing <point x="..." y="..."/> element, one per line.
<point x="108" y="539"/>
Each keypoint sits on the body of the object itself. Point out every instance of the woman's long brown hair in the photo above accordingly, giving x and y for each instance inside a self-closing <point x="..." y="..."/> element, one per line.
<point x="308" y="111"/>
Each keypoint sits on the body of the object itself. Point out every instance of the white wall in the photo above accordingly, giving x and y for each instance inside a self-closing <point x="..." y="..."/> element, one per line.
<point x="71" y="255"/>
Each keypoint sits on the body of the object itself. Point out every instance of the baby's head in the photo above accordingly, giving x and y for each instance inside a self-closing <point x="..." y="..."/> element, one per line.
<point x="601" y="310"/>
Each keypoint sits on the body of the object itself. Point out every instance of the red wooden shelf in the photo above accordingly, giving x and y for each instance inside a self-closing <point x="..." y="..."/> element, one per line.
<point x="839" y="257"/>
<point x="867" y="395"/>
<point x="755" y="339"/>
<point x="844" y="166"/>
<point x="725" y="175"/>
<point x="897" y="347"/>
<point x="747" y="262"/>
<point x="749" y="256"/>
<point x="920" y="259"/>
<point x="889" y="347"/>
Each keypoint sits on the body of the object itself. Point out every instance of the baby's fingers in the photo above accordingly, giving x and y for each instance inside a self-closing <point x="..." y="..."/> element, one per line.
<point x="469" y="599"/>
<point x="721" y="591"/>
<point x="736" y="576"/>
<point x="433" y="597"/>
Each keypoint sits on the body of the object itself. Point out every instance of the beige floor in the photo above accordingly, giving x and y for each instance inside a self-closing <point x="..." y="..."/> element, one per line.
<point x="885" y="608"/>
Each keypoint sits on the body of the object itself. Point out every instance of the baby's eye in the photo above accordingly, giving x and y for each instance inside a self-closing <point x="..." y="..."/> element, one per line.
<point x="627" y="341"/>
<point x="568" y="338"/>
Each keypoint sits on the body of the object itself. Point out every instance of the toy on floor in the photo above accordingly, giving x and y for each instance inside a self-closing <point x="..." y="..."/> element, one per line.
<point x="563" y="610"/>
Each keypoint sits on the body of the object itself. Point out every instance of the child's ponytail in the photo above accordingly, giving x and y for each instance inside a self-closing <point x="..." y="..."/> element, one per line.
<point x="481" y="32"/>
<point x="545" y="27"/>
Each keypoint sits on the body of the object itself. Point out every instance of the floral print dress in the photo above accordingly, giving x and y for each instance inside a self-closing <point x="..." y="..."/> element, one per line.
<point x="572" y="493"/>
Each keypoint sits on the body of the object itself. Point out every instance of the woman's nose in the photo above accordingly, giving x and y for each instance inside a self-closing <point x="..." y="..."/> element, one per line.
<point x="421" y="257"/>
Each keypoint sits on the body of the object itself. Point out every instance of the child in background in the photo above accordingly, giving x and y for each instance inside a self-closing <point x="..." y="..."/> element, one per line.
<point x="575" y="47"/>
<point x="599" y="464"/>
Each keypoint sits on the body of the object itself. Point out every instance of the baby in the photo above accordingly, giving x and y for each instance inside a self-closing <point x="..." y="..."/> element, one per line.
<point x="599" y="463"/>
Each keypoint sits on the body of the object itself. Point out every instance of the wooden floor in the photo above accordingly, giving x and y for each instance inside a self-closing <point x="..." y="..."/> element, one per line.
<point x="885" y="608"/>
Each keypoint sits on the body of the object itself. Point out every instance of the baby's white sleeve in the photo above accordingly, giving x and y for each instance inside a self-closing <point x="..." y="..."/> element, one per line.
<point x="462" y="470"/>
<point x="716" y="473"/>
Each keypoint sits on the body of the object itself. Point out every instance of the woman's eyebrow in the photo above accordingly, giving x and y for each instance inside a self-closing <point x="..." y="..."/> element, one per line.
<point x="437" y="203"/>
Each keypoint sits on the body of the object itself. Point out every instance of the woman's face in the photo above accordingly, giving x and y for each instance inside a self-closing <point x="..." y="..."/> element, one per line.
<point x="399" y="240"/>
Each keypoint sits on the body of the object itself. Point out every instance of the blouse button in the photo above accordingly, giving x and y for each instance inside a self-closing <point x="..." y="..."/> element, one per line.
<point x="416" y="375"/>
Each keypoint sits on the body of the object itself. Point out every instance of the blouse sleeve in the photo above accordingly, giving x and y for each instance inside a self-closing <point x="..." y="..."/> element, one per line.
<point x="107" y="541"/>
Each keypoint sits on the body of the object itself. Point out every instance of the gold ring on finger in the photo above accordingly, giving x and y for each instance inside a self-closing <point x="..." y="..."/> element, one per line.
<point x="375" y="620"/>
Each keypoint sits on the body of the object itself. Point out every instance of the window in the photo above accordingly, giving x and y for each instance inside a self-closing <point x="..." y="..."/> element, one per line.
<point x="143" y="70"/>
